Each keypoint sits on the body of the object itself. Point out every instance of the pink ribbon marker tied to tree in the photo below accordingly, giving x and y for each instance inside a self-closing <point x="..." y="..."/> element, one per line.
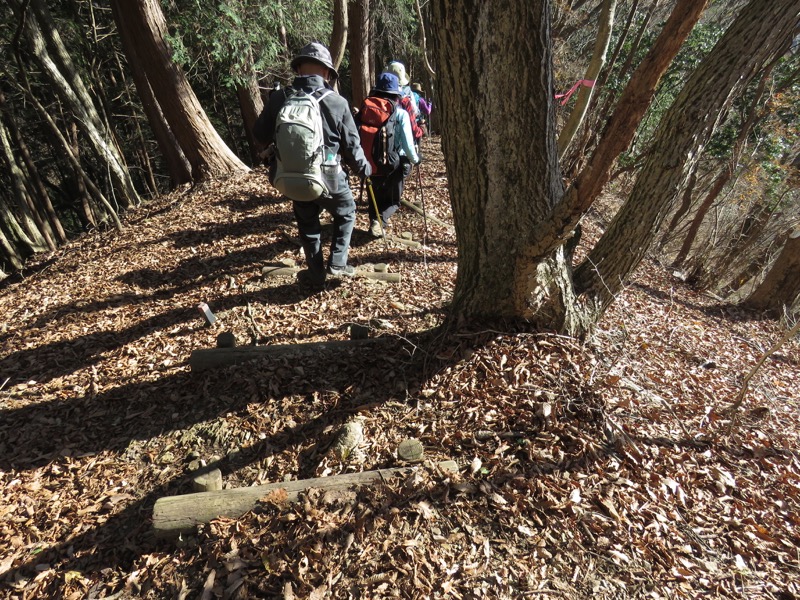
<point x="579" y="83"/>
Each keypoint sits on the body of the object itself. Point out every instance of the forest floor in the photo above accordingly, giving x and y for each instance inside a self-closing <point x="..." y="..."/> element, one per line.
<point x="596" y="469"/>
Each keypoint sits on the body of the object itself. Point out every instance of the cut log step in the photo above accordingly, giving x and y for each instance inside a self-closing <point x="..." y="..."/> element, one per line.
<point x="417" y="209"/>
<point x="403" y="241"/>
<point x="280" y="271"/>
<point x="174" y="515"/>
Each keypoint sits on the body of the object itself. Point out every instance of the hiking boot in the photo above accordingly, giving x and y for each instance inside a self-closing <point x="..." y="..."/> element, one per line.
<point x="345" y="271"/>
<point x="375" y="228"/>
<point x="311" y="278"/>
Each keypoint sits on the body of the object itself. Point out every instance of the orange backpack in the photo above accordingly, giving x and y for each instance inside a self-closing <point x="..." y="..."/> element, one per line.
<point x="377" y="119"/>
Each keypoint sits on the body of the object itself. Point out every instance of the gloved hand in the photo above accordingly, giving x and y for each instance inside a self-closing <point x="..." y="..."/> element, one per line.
<point x="366" y="171"/>
<point x="267" y="154"/>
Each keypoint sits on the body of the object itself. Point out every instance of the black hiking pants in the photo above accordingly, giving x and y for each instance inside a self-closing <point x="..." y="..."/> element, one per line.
<point x="388" y="191"/>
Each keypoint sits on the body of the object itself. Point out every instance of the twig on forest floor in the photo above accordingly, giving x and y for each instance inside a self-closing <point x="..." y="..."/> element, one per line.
<point x="628" y="439"/>
<point x="734" y="408"/>
<point x="635" y="387"/>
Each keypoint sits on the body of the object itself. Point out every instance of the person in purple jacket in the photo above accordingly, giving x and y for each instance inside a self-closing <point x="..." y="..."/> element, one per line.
<point x="425" y="107"/>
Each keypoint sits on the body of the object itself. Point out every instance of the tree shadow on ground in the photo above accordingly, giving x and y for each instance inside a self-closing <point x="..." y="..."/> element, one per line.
<point x="116" y="419"/>
<point x="49" y="361"/>
<point x="720" y="310"/>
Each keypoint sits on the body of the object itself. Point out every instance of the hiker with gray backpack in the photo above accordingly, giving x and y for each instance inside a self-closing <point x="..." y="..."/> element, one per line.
<point x="311" y="129"/>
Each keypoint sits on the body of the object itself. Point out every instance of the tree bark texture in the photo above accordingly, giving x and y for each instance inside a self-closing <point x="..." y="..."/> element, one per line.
<point x="360" y="74"/>
<point x="177" y="165"/>
<point x="339" y="34"/>
<point x="501" y="196"/>
<point x="759" y="32"/>
<point x="250" y="105"/>
<point x="781" y="286"/>
<point x="205" y="150"/>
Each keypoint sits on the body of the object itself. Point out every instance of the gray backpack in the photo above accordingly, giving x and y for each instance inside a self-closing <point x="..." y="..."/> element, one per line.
<point x="300" y="147"/>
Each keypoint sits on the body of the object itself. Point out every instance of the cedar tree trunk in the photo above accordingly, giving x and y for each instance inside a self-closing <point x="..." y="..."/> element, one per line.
<point x="360" y="75"/>
<point x="205" y="150"/>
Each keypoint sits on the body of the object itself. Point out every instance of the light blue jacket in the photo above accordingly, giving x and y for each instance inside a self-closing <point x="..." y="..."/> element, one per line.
<point x="403" y="138"/>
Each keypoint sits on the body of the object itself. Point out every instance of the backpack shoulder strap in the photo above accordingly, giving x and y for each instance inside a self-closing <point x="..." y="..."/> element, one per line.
<point x="319" y="96"/>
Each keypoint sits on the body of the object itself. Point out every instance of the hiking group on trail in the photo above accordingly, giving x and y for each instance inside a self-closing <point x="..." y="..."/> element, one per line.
<point x="310" y="134"/>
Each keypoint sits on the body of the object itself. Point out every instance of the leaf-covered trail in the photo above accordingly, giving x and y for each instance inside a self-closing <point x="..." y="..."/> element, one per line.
<point x="586" y="469"/>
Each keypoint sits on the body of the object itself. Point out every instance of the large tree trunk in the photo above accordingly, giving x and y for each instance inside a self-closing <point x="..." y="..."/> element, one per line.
<point x="760" y="32"/>
<point x="360" y="75"/>
<point x="781" y="286"/>
<point x="250" y="105"/>
<point x="177" y="166"/>
<point x="499" y="204"/>
<point x="55" y="61"/>
<point x="201" y="144"/>
<point x="340" y="32"/>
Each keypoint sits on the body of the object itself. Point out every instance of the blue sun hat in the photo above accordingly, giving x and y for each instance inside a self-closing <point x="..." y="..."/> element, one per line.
<point x="388" y="84"/>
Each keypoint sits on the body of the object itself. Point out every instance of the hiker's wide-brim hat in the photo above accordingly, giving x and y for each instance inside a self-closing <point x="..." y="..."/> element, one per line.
<point x="387" y="84"/>
<point x="315" y="52"/>
<point x="417" y="87"/>
<point x="399" y="70"/>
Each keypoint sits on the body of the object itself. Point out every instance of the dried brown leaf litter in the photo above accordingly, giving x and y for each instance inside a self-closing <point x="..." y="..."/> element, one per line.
<point x="596" y="470"/>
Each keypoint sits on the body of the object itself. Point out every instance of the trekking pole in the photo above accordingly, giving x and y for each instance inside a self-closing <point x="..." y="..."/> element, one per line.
<point x="422" y="197"/>
<point x="361" y="191"/>
<point x="377" y="212"/>
<point x="424" y="215"/>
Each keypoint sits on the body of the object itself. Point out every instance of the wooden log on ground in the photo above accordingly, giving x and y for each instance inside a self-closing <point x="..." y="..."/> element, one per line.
<point x="174" y="515"/>
<point x="210" y="358"/>
<point x="277" y="271"/>
<point x="403" y="241"/>
<point x="388" y="277"/>
<point x="417" y="209"/>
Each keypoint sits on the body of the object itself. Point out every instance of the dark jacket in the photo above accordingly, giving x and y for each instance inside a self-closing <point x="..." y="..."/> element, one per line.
<point x="338" y="127"/>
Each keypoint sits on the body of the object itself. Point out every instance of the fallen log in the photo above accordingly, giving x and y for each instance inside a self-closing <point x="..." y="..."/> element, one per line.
<point x="417" y="209"/>
<point x="210" y="358"/>
<point x="276" y="271"/>
<point x="388" y="277"/>
<point x="174" y="515"/>
<point x="403" y="241"/>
